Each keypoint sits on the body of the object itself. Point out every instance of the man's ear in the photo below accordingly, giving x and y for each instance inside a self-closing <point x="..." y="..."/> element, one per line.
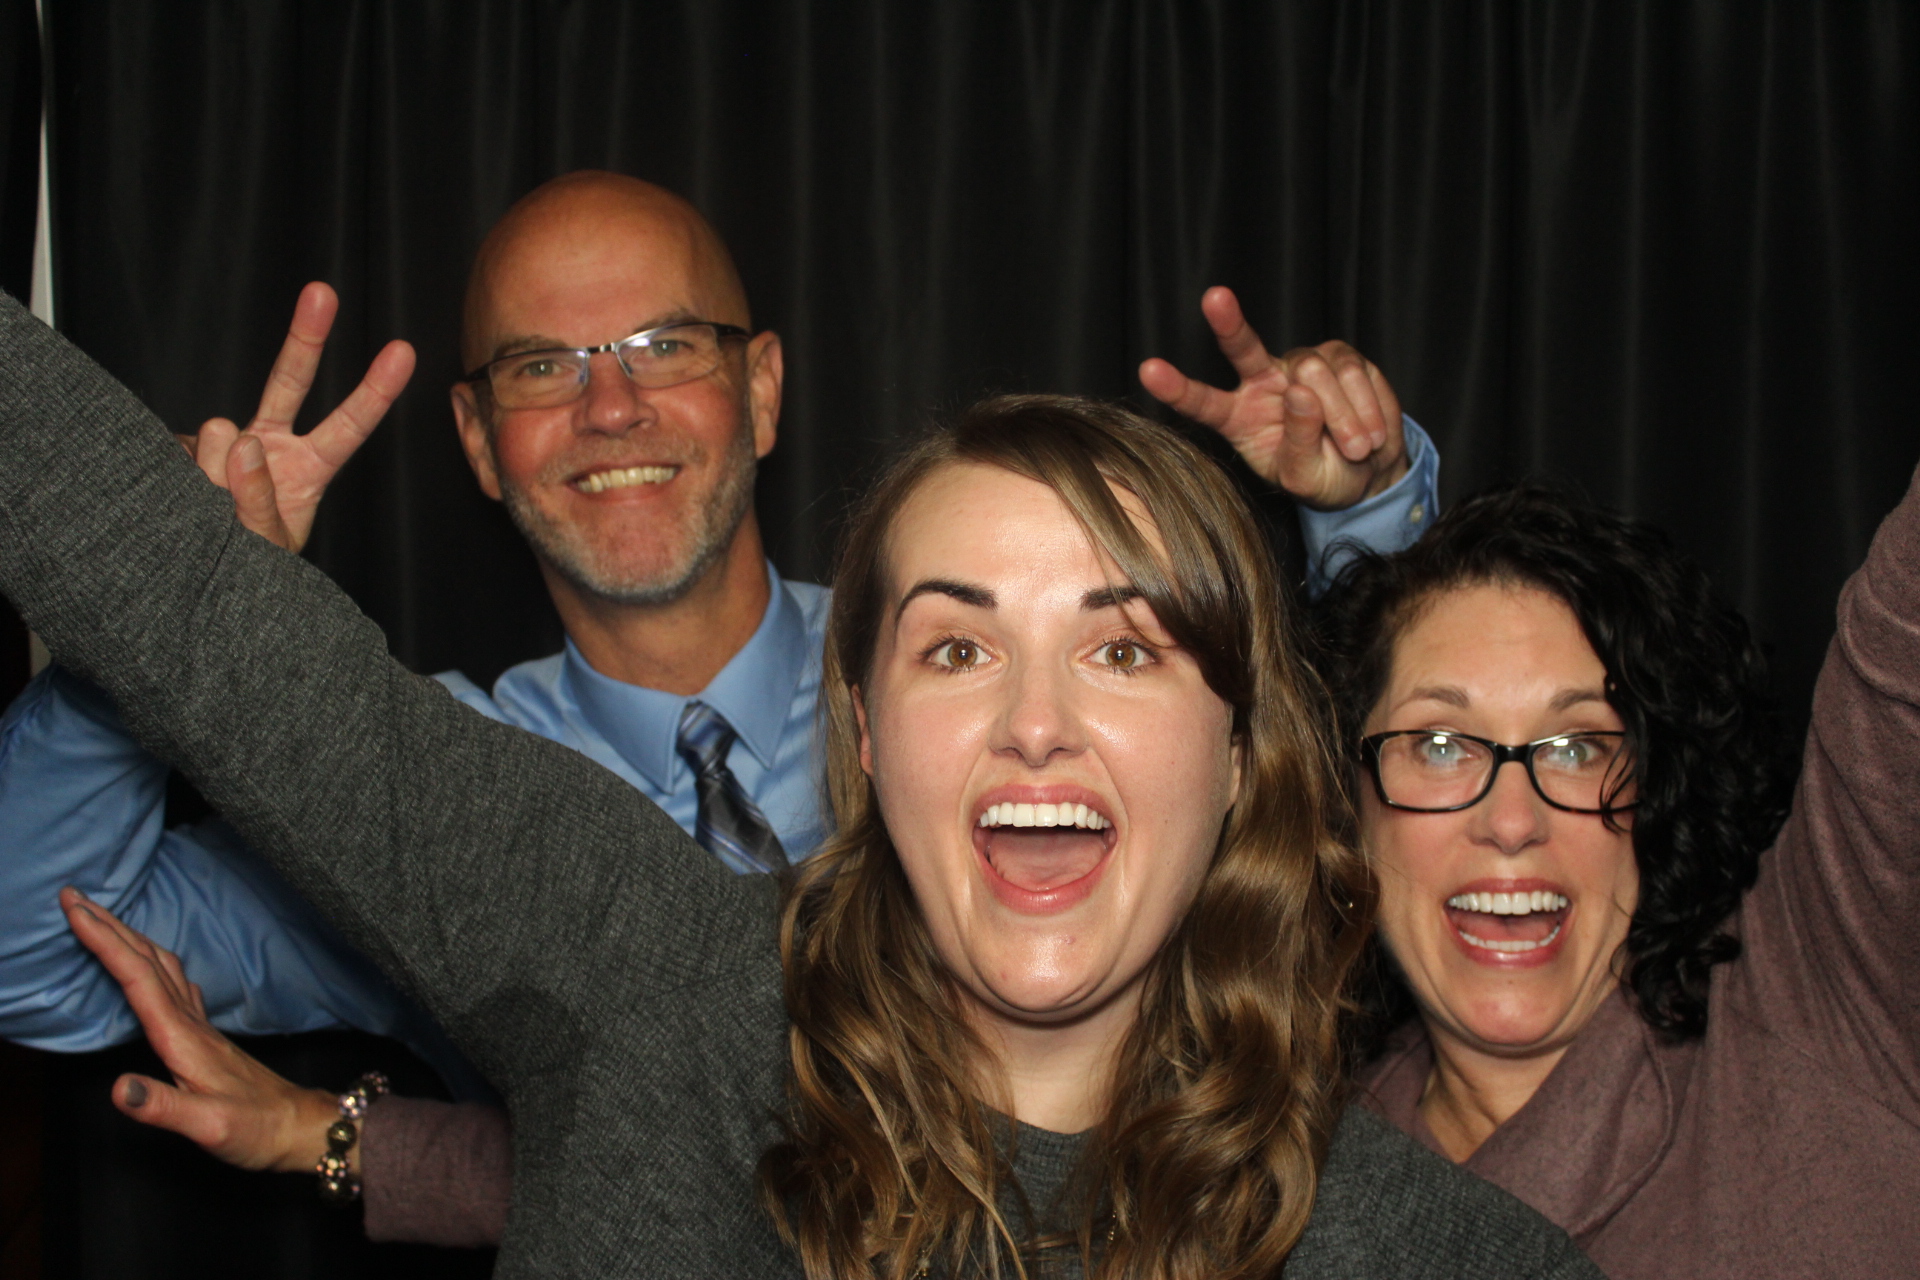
<point x="766" y="375"/>
<point x="475" y="438"/>
<point x="866" y="739"/>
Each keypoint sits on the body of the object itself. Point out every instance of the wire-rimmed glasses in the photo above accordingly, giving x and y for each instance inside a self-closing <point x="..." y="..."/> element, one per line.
<point x="1430" y="771"/>
<point x="664" y="356"/>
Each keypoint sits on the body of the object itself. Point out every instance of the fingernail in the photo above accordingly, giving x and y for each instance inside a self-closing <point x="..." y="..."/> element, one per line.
<point x="137" y="1093"/>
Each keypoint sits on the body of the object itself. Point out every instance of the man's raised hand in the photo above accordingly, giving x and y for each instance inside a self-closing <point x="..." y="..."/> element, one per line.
<point x="221" y="1097"/>
<point x="1320" y="422"/>
<point x="276" y="477"/>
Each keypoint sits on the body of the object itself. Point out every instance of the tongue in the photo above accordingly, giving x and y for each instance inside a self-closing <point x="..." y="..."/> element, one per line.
<point x="1044" y="859"/>
<point x="1536" y="926"/>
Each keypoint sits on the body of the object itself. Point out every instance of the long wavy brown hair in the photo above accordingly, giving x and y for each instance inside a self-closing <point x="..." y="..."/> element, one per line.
<point x="1226" y="1091"/>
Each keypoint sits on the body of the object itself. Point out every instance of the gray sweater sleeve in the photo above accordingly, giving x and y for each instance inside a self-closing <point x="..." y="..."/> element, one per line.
<point x="483" y="867"/>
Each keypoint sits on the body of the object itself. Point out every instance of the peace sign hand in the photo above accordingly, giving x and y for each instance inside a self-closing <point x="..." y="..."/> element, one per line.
<point x="1320" y="422"/>
<point x="276" y="477"/>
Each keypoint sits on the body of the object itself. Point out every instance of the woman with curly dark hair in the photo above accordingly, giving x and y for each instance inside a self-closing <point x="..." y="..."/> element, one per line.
<point x="1590" y="984"/>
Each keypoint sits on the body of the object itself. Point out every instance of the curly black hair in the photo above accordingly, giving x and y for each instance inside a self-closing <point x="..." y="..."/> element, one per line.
<point x="1713" y="766"/>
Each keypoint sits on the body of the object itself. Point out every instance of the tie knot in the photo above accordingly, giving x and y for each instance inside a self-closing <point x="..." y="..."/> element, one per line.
<point x="705" y="738"/>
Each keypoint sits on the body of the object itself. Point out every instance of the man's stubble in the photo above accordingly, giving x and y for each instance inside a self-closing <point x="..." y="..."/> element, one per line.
<point x="596" y="571"/>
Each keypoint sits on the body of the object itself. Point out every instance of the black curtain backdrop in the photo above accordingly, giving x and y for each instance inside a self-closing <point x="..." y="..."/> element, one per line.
<point x="1663" y="251"/>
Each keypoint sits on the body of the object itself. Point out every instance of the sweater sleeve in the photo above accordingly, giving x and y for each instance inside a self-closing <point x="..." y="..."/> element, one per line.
<point x="485" y="868"/>
<point x="436" y="1172"/>
<point x="1831" y="955"/>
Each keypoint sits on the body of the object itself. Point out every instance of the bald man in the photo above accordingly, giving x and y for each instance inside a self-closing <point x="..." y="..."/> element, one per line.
<point x="617" y="404"/>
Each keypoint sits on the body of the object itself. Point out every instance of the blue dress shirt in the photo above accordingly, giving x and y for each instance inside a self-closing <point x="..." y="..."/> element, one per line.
<point x="83" y="804"/>
<point x="1389" y="521"/>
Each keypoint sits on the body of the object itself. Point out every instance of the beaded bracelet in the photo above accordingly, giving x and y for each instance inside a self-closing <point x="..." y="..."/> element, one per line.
<point x="338" y="1185"/>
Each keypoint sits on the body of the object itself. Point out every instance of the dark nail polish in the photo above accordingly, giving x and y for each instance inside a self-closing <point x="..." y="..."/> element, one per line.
<point x="137" y="1093"/>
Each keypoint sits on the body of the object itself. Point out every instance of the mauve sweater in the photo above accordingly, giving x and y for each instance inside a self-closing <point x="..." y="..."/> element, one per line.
<point x="1787" y="1141"/>
<point x="620" y="988"/>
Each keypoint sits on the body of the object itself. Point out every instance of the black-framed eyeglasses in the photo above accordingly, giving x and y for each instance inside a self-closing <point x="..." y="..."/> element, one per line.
<point x="1435" y="772"/>
<point x="665" y="356"/>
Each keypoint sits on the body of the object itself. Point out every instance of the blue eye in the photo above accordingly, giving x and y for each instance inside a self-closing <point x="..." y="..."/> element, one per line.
<point x="1439" y="751"/>
<point x="1575" y="755"/>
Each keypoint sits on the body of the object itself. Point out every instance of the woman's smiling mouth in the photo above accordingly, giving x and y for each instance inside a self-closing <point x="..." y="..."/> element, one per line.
<point x="1509" y="923"/>
<point x="1041" y="857"/>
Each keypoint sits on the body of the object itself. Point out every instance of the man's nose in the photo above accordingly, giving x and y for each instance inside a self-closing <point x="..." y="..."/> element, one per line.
<point x="611" y="400"/>
<point x="1039" y="720"/>
<point x="1513" y="817"/>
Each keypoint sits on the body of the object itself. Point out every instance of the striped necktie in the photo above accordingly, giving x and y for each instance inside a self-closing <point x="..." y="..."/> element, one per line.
<point x="730" y="826"/>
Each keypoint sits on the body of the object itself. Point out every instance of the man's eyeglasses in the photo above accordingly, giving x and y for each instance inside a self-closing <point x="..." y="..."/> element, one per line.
<point x="662" y="357"/>
<point x="1429" y="772"/>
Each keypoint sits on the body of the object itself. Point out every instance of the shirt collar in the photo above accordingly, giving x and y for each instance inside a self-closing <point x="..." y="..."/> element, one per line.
<point x="754" y="691"/>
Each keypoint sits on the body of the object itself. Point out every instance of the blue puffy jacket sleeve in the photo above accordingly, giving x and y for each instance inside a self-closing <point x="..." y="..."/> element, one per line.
<point x="82" y="804"/>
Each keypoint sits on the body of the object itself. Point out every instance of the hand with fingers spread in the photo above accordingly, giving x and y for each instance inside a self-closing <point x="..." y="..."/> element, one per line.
<point x="1320" y="422"/>
<point x="221" y="1097"/>
<point x="276" y="477"/>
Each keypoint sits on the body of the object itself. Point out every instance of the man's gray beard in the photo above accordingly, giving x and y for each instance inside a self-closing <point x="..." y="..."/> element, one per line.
<point x="556" y="546"/>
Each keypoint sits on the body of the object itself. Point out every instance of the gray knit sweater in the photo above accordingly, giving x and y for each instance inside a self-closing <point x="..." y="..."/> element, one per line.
<point x="617" y="984"/>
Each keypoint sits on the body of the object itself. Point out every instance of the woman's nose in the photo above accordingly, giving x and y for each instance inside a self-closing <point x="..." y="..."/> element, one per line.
<point x="1039" y="721"/>
<point x="1513" y="817"/>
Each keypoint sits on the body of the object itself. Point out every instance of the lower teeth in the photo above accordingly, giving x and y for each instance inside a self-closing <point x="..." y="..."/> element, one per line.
<point x="1511" y="944"/>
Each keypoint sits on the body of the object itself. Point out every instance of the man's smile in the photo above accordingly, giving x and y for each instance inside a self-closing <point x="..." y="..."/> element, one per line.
<point x="623" y="477"/>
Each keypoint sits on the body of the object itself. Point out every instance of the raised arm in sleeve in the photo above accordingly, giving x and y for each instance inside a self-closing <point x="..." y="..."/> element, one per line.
<point x="1832" y="954"/>
<point x="487" y="869"/>
<point x="1390" y="521"/>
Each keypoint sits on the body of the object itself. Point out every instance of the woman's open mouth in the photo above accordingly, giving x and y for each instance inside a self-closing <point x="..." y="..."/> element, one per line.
<point x="1042" y="857"/>
<point x="1509" y="925"/>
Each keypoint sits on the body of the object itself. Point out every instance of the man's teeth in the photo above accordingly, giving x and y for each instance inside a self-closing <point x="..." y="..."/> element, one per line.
<point x="1043" y="815"/>
<point x="601" y="481"/>
<point x="1511" y="944"/>
<point x="1508" y="904"/>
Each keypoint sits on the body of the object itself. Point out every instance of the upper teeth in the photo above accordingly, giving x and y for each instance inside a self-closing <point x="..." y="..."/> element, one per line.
<point x="1043" y="815"/>
<point x="624" y="476"/>
<point x="1507" y="904"/>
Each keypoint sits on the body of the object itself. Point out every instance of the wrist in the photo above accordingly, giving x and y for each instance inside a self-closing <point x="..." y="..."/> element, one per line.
<point x="339" y="1168"/>
<point x="1388" y="477"/>
<point x="311" y="1113"/>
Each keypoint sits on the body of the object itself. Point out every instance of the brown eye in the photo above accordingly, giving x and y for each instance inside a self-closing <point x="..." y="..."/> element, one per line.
<point x="957" y="654"/>
<point x="1123" y="654"/>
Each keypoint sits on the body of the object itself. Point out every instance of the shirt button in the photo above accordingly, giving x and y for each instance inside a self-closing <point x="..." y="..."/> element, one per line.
<point x="1417" y="514"/>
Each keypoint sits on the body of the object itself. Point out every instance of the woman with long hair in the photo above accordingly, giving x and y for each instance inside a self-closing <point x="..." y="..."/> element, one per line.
<point x="1063" y="992"/>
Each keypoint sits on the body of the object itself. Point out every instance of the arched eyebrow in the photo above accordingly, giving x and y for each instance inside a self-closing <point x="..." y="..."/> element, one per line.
<point x="979" y="597"/>
<point x="965" y="592"/>
<point x="1109" y="598"/>
<point x="1454" y="696"/>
